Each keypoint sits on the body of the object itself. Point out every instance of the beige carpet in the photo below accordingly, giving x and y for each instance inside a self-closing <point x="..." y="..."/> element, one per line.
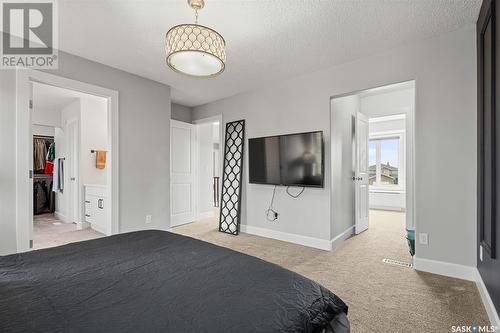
<point x="48" y="231"/>
<point x="381" y="297"/>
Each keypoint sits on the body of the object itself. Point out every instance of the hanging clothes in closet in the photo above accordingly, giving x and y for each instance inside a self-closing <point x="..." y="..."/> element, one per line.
<point x="43" y="158"/>
<point x="43" y="197"/>
<point x="39" y="153"/>
<point x="49" y="160"/>
<point x="58" y="176"/>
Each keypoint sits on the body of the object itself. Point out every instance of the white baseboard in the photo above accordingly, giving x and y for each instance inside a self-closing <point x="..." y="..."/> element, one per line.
<point x="205" y="215"/>
<point x="82" y="225"/>
<point x="98" y="228"/>
<point x="60" y="216"/>
<point x="461" y="272"/>
<point x="444" y="268"/>
<point x="334" y="243"/>
<point x="487" y="302"/>
<point x="322" y="244"/>
<point x="391" y="208"/>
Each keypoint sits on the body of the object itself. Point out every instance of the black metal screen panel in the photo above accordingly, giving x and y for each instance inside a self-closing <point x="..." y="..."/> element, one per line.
<point x="230" y="208"/>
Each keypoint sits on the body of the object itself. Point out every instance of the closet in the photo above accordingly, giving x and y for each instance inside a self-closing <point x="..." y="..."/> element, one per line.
<point x="43" y="157"/>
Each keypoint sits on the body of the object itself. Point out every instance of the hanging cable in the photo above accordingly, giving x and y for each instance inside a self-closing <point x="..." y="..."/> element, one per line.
<point x="271" y="214"/>
<point x="295" y="196"/>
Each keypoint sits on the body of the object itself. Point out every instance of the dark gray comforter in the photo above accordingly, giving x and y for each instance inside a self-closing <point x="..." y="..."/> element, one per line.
<point x="156" y="281"/>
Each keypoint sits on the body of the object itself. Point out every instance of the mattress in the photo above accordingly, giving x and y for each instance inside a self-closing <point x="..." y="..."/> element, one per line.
<point x="157" y="281"/>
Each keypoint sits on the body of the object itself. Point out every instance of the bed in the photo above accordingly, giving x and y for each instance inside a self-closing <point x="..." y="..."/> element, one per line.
<point x="157" y="281"/>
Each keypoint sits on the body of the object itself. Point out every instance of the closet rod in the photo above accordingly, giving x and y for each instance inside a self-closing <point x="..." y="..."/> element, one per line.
<point x="43" y="137"/>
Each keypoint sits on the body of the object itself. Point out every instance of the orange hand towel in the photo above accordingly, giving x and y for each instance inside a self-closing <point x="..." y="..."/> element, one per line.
<point x="100" y="159"/>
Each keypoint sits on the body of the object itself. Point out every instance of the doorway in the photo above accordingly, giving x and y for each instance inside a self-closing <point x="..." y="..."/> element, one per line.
<point x="209" y="167"/>
<point x="195" y="165"/>
<point x="77" y="121"/>
<point x="372" y="165"/>
<point x="66" y="172"/>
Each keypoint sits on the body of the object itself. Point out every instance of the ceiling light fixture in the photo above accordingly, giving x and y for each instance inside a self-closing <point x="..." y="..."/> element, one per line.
<point x="194" y="49"/>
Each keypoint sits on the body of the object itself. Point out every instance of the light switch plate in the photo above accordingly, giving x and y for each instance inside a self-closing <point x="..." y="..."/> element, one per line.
<point x="423" y="238"/>
<point x="148" y="219"/>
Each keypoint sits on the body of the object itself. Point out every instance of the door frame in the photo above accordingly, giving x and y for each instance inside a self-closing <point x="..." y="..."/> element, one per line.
<point x="410" y="212"/>
<point x="24" y="141"/>
<point x="217" y="118"/>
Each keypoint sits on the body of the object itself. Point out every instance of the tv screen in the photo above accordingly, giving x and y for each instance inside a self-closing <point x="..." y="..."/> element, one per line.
<point x="290" y="160"/>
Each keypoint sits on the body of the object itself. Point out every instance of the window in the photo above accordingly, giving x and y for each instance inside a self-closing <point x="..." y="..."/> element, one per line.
<point x="372" y="161"/>
<point x="386" y="161"/>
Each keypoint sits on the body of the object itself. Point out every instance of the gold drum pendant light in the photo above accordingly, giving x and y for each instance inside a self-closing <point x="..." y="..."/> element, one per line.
<point x="194" y="49"/>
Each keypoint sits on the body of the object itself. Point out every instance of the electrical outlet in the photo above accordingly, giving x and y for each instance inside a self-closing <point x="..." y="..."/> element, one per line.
<point x="423" y="238"/>
<point x="148" y="219"/>
<point x="480" y="252"/>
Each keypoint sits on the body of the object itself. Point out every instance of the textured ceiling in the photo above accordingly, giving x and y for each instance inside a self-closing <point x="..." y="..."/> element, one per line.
<point x="267" y="40"/>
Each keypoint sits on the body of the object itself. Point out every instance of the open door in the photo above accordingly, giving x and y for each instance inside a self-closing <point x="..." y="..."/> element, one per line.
<point x="72" y="162"/>
<point x="361" y="176"/>
<point x="182" y="172"/>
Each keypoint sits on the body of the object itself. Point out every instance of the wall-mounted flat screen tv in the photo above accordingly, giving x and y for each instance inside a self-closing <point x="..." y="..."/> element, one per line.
<point x="288" y="160"/>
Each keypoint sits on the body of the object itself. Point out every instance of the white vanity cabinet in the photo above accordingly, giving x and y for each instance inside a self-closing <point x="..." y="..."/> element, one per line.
<point x="97" y="207"/>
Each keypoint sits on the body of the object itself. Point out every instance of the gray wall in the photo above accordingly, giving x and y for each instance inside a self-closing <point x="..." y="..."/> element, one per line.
<point x="144" y="121"/>
<point x="144" y="134"/>
<point x="181" y="113"/>
<point x="444" y="68"/>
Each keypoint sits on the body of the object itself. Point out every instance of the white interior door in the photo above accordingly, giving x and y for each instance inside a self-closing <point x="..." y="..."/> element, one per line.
<point x="182" y="172"/>
<point x="361" y="176"/>
<point x="71" y="171"/>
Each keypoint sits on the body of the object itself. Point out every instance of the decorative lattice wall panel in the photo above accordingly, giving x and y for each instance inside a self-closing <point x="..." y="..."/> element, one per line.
<point x="230" y="208"/>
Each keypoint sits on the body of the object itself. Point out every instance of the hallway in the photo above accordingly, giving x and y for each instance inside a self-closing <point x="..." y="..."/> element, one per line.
<point x="48" y="231"/>
<point x="381" y="297"/>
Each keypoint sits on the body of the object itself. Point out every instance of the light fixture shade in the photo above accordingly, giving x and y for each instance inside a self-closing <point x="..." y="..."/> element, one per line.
<point x="195" y="50"/>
